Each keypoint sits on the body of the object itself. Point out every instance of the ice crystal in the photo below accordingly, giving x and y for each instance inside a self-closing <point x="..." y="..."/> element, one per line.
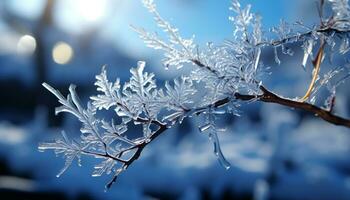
<point x="219" y="73"/>
<point x="344" y="46"/>
<point x="341" y="10"/>
<point x="212" y="130"/>
<point x="177" y="50"/>
<point x="180" y="95"/>
<point x="69" y="150"/>
<point x="307" y="46"/>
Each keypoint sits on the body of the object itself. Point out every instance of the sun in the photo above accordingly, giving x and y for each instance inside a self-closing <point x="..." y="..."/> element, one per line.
<point x="91" y="10"/>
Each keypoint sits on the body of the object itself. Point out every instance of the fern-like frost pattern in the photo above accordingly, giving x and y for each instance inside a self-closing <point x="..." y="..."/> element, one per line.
<point x="219" y="73"/>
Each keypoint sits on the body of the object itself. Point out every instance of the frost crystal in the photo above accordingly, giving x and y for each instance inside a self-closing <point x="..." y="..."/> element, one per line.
<point x="307" y="46"/>
<point x="181" y="94"/>
<point x="177" y="51"/>
<point x="69" y="150"/>
<point x="341" y="10"/>
<point x="344" y="46"/>
<point x="212" y="130"/>
<point x="221" y="78"/>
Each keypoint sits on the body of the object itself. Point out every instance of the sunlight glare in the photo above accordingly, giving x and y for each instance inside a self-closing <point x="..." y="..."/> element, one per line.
<point x="91" y="10"/>
<point x="62" y="53"/>
<point x="26" y="45"/>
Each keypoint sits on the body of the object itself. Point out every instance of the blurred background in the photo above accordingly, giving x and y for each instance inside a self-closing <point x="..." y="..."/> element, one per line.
<point x="275" y="152"/>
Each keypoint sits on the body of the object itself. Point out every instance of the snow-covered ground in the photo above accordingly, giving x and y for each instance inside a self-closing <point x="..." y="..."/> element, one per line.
<point x="310" y="161"/>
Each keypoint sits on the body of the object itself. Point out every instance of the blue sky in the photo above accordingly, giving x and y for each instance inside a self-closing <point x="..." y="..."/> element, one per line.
<point x="206" y="19"/>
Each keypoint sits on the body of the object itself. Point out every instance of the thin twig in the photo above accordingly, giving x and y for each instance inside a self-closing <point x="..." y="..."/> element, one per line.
<point x="317" y="65"/>
<point x="327" y="29"/>
<point x="270" y="97"/>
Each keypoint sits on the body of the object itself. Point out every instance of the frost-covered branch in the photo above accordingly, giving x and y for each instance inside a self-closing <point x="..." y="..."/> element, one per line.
<point x="269" y="97"/>
<point x="223" y="77"/>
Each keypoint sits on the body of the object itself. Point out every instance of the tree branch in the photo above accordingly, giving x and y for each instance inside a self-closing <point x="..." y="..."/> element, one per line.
<point x="327" y="30"/>
<point x="139" y="148"/>
<point x="270" y="97"/>
<point x="266" y="96"/>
